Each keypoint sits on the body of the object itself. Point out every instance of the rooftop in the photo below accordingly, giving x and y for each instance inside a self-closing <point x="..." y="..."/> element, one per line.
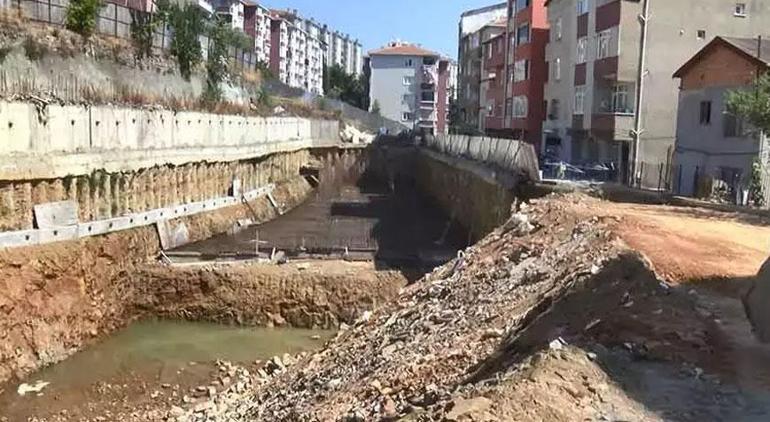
<point x="403" y="49"/>
<point x="751" y="48"/>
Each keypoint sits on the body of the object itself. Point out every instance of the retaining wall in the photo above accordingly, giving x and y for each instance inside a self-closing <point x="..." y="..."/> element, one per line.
<point x="124" y="167"/>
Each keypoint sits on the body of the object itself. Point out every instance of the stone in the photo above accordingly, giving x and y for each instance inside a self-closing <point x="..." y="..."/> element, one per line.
<point x="176" y="411"/>
<point x="468" y="409"/>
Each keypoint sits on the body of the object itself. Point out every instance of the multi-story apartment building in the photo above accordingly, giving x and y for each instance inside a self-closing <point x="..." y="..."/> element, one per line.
<point x="475" y="28"/>
<point x="593" y="57"/>
<point x="296" y="57"/>
<point x="338" y="48"/>
<point x="232" y="11"/>
<point x="411" y="85"/>
<point x="256" y="22"/>
<point x="492" y="85"/>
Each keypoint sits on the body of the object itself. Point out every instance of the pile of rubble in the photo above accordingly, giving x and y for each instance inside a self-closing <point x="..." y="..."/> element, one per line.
<point x="526" y="325"/>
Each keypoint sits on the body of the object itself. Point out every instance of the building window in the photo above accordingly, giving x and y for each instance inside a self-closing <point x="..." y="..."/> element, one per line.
<point x="620" y="99"/>
<point x="406" y="117"/>
<point x="408" y="80"/>
<point x="520" y="106"/>
<point x="701" y="34"/>
<point x="553" y="113"/>
<point x="580" y="97"/>
<point x="521" y="70"/>
<point x="509" y="107"/>
<point x="603" y="45"/>
<point x="557" y="69"/>
<point x="740" y="10"/>
<point x="705" y="113"/>
<point x="409" y="63"/>
<point x="522" y="34"/>
<point x="521" y="4"/>
<point x="491" y="110"/>
<point x="408" y="99"/>
<point x="557" y="28"/>
<point x="733" y="126"/>
<point x="489" y="51"/>
<point x="582" y="7"/>
<point x="581" y="50"/>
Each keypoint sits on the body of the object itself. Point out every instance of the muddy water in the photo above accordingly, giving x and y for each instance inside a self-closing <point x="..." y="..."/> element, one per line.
<point x="150" y="358"/>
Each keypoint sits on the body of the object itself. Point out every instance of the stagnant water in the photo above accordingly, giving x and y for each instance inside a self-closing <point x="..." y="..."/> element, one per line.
<point x="146" y="357"/>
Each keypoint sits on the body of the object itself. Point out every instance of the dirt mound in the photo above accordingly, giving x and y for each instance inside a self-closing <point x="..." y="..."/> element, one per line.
<point x="480" y="335"/>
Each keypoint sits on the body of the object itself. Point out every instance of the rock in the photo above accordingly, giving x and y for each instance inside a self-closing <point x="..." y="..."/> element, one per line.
<point x="389" y="407"/>
<point x="212" y="391"/>
<point x="492" y="333"/>
<point x="468" y="409"/>
<point x="37" y="387"/>
<point x="557" y="344"/>
<point x="176" y="412"/>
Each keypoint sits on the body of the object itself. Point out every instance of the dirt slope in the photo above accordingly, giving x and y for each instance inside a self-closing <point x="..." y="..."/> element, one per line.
<point x="551" y="317"/>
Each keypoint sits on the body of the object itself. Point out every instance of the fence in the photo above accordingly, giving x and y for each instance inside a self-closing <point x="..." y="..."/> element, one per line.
<point x="504" y="154"/>
<point x="115" y="20"/>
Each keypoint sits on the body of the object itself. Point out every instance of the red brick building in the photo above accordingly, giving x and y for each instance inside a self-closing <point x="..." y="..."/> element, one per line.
<point x="514" y="73"/>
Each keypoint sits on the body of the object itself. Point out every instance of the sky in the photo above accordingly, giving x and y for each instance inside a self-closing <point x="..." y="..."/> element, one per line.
<point x="432" y="23"/>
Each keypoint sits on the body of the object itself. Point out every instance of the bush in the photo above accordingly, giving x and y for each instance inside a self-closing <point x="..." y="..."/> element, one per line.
<point x="81" y="16"/>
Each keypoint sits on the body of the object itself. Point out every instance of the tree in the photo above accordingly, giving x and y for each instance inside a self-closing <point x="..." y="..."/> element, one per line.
<point x="221" y="38"/>
<point x="376" y="108"/>
<point x="752" y="105"/>
<point x="345" y="87"/>
<point x="81" y="16"/>
<point x="187" y="22"/>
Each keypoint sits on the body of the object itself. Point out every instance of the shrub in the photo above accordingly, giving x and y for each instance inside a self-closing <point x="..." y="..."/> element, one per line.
<point x="81" y="16"/>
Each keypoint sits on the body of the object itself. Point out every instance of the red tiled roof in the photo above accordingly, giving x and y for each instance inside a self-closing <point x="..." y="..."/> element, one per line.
<point x="403" y="50"/>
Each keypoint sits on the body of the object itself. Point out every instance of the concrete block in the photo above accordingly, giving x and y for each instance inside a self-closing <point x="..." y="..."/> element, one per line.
<point x="56" y="214"/>
<point x="58" y="234"/>
<point x="19" y="238"/>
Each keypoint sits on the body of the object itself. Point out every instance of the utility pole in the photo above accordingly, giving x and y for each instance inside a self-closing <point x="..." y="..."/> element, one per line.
<point x="636" y="133"/>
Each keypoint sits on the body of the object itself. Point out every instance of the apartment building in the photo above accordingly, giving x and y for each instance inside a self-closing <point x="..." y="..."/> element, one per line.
<point x="713" y="145"/>
<point x="232" y="11"/>
<point x="492" y="96"/>
<point x="411" y="85"/>
<point x="296" y="57"/>
<point x="338" y="48"/>
<point x="528" y="32"/>
<point x="593" y="56"/>
<point x="476" y="27"/>
<point x="256" y="23"/>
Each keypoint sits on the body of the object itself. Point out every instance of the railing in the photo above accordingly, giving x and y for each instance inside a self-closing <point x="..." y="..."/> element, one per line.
<point x="503" y="154"/>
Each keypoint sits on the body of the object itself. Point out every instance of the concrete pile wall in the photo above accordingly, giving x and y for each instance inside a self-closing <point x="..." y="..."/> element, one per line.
<point x="115" y="162"/>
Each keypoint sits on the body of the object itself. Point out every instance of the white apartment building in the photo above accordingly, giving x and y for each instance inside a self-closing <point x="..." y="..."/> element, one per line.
<point x="296" y="56"/>
<point x="262" y="34"/>
<point x="338" y="48"/>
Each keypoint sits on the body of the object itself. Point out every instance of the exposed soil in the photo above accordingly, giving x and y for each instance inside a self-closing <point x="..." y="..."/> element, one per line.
<point x="550" y="317"/>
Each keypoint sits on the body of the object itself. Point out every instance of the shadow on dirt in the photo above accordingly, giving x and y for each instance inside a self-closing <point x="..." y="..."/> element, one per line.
<point x="652" y="340"/>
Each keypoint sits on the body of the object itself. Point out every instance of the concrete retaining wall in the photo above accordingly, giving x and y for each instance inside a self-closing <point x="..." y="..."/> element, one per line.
<point x="58" y="141"/>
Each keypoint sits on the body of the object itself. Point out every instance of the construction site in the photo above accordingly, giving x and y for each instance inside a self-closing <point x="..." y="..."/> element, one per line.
<point x="161" y="261"/>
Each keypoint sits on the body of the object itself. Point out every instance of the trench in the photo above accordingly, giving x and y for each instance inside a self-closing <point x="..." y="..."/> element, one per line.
<point x="372" y="220"/>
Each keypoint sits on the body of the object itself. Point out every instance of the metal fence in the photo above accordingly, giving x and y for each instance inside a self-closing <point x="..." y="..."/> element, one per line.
<point x="505" y="154"/>
<point x="115" y="20"/>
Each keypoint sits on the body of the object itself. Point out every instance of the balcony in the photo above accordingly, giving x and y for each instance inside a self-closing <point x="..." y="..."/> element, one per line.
<point x="617" y="99"/>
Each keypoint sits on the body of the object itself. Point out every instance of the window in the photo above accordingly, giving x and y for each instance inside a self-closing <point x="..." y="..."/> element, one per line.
<point x="705" y="113"/>
<point x="553" y="113"/>
<point x="603" y="45"/>
<point x="581" y="50"/>
<point x="522" y="34"/>
<point x="489" y="51"/>
<point x="408" y="80"/>
<point x="520" y="106"/>
<point x="557" y="69"/>
<point x="428" y="61"/>
<point x="406" y="117"/>
<point x="582" y="7"/>
<point x="521" y="4"/>
<point x="733" y="126"/>
<point x="620" y="99"/>
<point x="491" y="110"/>
<point x="521" y="70"/>
<point x="557" y="29"/>
<point x="701" y="34"/>
<point x="740" y="10"/>
<point x="580" y="97"/>
<point x="408" y="99"/>
<point x="409" y="63"/>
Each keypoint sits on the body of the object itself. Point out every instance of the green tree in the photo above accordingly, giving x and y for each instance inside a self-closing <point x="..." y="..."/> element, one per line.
<point x="345" y="87"/>
<point x="753" y="105"/>
<point x="222" y="37"/>
<point x="188" y="23"/>
<point x="81" y="16"/>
